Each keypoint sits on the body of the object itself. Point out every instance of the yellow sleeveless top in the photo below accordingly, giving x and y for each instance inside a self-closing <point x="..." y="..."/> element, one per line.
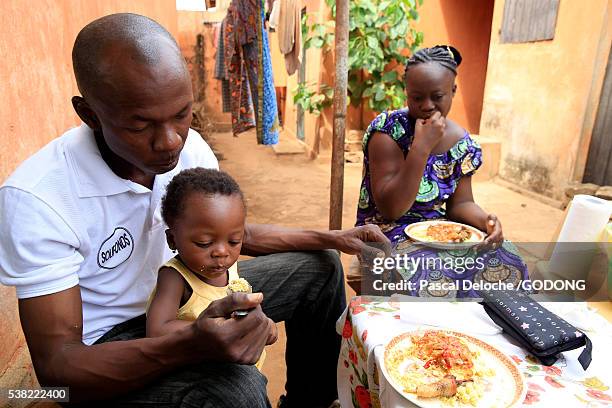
<point x="202" y="294"/>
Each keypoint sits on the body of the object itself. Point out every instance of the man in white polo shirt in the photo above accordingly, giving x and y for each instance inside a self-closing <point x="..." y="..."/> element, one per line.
<point x="96" y="226"/>
<point x="81" y="239"/>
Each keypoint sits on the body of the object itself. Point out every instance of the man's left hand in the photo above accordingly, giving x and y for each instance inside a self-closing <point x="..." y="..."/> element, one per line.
<point x="354" y="241"/>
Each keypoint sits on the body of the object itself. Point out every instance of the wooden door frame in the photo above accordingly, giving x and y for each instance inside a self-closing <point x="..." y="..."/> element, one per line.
<point x="592" y="107"/>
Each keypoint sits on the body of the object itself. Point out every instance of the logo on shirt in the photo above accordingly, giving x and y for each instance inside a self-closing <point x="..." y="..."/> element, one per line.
<point x="116" y="249"/>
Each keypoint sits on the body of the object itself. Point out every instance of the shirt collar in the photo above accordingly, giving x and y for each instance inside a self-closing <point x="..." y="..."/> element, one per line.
<point x="94" y="178"/>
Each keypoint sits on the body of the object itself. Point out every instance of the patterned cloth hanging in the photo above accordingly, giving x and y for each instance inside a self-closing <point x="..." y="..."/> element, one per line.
<point x="265" y="85"/>
<point x="247" y="54"/>
<point x="221" y="71"/>
<point x="236" y="32"/>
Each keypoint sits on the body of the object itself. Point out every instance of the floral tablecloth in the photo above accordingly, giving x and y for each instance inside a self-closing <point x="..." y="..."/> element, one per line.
<point x="370" y="322"/>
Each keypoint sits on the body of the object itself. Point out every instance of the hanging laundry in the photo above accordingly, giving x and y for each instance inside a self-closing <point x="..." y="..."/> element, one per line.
<point x="221" y="71"/>
<point x="275" y="15"/>
<point x="241" y="106"/>
<point x="268" y="10"/>
<point x="266" y="90"/>
<point x="290" y="33"/>
<point x="247" y="54"/>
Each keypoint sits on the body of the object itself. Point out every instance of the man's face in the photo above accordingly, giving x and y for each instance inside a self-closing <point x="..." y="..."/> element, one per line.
<point x="144" y="113"/>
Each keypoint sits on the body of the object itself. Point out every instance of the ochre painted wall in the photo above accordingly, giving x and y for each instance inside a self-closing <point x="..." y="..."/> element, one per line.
<point x="189" y="25"/>
<point x="541" y="97"/>
<point x="466" y="25"/>
<point x="36" y="83"/>
<point x="210" y="88"/>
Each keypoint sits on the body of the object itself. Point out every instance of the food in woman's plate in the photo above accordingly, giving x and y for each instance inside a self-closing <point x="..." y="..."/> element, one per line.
<point x="443" y="232"/>
<point x="448" y="233"/>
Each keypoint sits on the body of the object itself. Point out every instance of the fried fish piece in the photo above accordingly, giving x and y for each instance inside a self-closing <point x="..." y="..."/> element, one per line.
<point x="445" y="387"/>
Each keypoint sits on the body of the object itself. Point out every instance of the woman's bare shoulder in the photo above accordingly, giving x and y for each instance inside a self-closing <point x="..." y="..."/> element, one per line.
<point x="454" y="132"/>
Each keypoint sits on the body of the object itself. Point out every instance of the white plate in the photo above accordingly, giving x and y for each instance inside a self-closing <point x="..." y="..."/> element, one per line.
<point x="505" y="389"/>
<point x="418" y="232"/>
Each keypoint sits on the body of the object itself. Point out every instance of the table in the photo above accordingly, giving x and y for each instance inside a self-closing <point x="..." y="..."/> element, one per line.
<point x="370" y="322"/>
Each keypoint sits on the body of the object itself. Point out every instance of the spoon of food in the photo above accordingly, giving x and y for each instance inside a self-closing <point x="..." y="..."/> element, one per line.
<point x="239" y="285"/>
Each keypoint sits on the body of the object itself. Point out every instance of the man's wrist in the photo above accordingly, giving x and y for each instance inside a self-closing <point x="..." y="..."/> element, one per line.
<point x="176" y="348"/>
<point x="187" y="341"/>
<point x="329" y="239"/>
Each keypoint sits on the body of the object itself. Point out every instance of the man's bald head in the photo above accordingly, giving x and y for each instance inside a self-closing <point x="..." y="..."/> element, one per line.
<point x="115" y="40"/>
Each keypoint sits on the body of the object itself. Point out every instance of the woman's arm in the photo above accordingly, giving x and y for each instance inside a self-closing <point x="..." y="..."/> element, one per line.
<point x="161" y="317"/>
<point x="462" y="208"/>
<point x="395" y="180"/>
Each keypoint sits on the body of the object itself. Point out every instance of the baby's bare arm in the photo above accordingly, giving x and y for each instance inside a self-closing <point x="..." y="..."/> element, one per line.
<point x="161" y="317"/>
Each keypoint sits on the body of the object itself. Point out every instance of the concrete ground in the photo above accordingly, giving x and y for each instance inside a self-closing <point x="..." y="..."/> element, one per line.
<point x="291" y="190"/>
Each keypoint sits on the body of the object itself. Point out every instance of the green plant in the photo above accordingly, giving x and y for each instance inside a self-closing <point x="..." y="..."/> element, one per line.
<point x="310" y="100"/>
<point x="381" y="37"/>
<point x="304" y="95"/>
<point x="317" y="35"/>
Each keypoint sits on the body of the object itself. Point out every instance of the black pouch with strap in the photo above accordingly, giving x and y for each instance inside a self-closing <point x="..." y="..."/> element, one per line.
<point x="537" y="329"/>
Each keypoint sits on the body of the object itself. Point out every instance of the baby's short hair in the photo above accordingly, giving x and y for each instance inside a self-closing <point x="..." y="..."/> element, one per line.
<point x="200" y="180"/>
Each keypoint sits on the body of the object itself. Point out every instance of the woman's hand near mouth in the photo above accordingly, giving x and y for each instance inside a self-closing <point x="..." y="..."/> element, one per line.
<point x="428" y="133"/>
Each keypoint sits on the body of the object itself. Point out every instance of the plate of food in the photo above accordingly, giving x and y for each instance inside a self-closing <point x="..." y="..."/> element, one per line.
<point x="440" y="368"/>
<point x="442" y="232"/>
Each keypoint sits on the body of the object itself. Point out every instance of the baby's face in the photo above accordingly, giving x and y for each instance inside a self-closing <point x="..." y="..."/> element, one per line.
<point x="208" y="234"/>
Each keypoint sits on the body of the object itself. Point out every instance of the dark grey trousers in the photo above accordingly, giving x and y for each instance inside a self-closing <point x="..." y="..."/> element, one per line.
<point x="303" y="289"/>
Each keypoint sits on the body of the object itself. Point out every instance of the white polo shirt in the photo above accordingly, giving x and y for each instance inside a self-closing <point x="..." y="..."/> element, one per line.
<point x="66" y="219"/>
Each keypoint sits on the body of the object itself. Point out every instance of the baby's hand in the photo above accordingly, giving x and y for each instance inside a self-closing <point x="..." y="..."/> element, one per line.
<point x="495" y="236"/>
<point x="429" y="132"/>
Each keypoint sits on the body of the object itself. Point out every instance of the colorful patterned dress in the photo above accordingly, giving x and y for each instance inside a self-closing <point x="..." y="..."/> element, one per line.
<point x="440" y="179"/>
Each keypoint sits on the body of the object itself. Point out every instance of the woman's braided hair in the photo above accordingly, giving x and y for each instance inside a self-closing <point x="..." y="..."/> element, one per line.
<point x="445" y="55"/>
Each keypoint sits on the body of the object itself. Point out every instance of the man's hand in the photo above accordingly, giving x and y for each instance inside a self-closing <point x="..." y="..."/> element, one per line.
<point x="235" y="339"/>
<point x="354" y="241"/>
